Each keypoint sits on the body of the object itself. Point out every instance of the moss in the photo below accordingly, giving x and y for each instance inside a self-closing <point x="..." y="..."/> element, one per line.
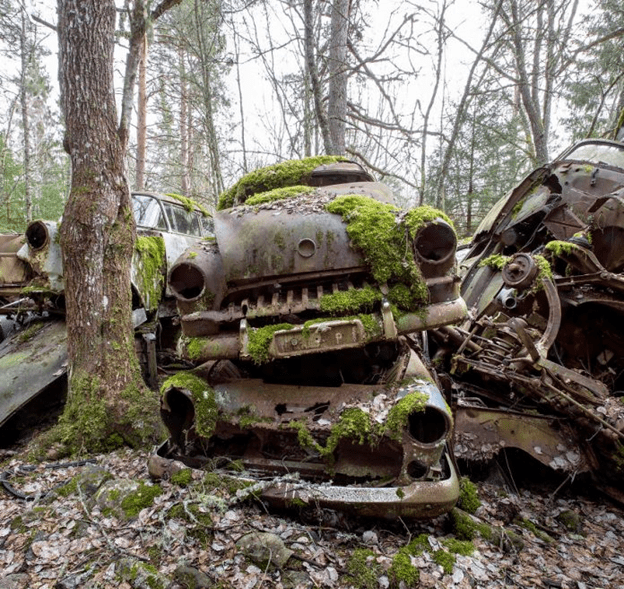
<point x="417" y="217"/>
<point x="151" y="268"/>
<point x="468" y="496"/>
<point x="195" y="347"/>
<point x="191" y="513"/>
<point x="277" y="194"/>
<point x="398" y="416"/>
<point x="545" y="271"/>
<point x="260" y="340"/>
<point x="353" y="424"/>
<point x="462" y="547"/>
<point x="351" y="301"/>
<point x="143" y="497"/>
<point x="529" y="525"/>
<point x="445" y="559"/>
<point x="561" y="247"/>
<point x="281" y="175"/>
<point x="205" y="405"/>
<point x="376" y="229"/>
<point x="30" y="331"/>
<point x="363" y="569"/>
<point x="182" y="478"/>
<point x="402" y="571"/>
<point x="570" y="520"/>
<point x="190" y="204"/>
<point x="495" y="261"/>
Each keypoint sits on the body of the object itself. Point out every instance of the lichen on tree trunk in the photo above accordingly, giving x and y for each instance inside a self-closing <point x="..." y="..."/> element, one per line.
<point x="108" y="402"/>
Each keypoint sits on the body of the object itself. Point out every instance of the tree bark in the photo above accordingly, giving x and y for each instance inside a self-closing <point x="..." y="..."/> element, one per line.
<point x="315" y="84"/>
<point x="142" y="118"/>
<point x="107" y="400"/>
<point x="338" y="75"/>
<point x="25" y="61"/>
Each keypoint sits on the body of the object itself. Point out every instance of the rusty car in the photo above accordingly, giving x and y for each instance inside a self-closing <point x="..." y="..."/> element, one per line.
<point x="301" y="326"/>
<point x="32" y="327"/>
<point x="537" y="367"/>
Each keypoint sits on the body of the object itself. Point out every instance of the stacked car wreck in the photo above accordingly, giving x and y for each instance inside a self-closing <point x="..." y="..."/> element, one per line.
<point x="539" y="364"/>
<point x="301" y="323"/>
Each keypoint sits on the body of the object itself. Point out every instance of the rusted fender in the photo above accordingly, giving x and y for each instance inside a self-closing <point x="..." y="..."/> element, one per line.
<point x="30" y="360"/>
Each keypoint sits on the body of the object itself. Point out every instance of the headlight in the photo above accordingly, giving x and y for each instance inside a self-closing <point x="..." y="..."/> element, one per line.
<point x="37" y="235"/>
<point x="434" y="248"/>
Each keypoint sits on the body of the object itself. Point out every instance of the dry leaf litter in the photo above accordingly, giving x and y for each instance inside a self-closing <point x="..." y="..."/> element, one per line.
<point x="104" y="523"/>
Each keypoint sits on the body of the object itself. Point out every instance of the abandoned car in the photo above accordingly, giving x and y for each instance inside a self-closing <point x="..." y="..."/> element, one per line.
<point x="301" y="322"/>
<point x="32" y="328"/>
<point x="538" y="365"/>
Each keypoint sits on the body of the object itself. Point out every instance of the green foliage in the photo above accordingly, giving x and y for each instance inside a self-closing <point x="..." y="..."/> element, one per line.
<point x="48" y="197"/>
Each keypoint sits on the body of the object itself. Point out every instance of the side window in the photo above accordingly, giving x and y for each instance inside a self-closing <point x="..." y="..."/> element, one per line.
<point x="182" y="221"/>
<point x="148" y="212"/>
<point x="207" y="224"/>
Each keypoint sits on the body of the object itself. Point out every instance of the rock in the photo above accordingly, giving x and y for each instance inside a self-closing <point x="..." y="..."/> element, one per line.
<point x="264" y="549"/>
<point x="192" y="578"/>
<point x="16" y="581"/>
<point x="140" y="575"/>
<point x="163" y="468"/>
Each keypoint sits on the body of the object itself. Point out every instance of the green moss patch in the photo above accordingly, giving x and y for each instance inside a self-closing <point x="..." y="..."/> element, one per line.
<point x="363" y="569"/>
<point x="260" y="339"/>
<point x="384" y="237"/>
<point x="190" y="204"/>
<point x="561" y="247"/>
<point x="281" y="175"/>
<point x="399" y="414"/>
<point x="151" y="269"/>
<point x="143" y="497"/>
<point x="204" y="403"/>
<point x="468" y="496"/>
<point x="277" y="194"/>
<point x="355" y="300"/>
<point x="495" y="262"/>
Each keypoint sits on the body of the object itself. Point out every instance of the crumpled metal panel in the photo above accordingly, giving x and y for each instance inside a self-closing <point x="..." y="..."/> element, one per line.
<point x="29" y="364"/>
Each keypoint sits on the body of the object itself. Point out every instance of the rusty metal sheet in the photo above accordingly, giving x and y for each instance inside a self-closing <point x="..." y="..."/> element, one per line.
<point x="274" y="243"/>
<point x="481" y="433"/>
<point x="31" y="360"/>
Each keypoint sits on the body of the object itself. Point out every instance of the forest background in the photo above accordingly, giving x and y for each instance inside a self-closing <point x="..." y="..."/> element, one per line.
<point x="450" y="101"/>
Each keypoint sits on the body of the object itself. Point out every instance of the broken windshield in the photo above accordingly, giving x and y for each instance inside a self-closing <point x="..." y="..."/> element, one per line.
<point x="599" y="152"/>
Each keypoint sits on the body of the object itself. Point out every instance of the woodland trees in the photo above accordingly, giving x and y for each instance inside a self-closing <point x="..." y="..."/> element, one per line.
<point x="228" y="85"/>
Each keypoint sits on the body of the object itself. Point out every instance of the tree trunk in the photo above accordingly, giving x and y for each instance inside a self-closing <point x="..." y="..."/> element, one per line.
<point x="185" y="182"/>
<point x="142" y="118"/>
<point x="107" y="400"/>
<point x="338" y="75"/>
<point x="313" y="72"/>
<point x="25" y="61"/>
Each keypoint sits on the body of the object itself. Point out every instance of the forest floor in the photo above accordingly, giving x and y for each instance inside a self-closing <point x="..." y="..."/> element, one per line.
<point x="194" y="533"/>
